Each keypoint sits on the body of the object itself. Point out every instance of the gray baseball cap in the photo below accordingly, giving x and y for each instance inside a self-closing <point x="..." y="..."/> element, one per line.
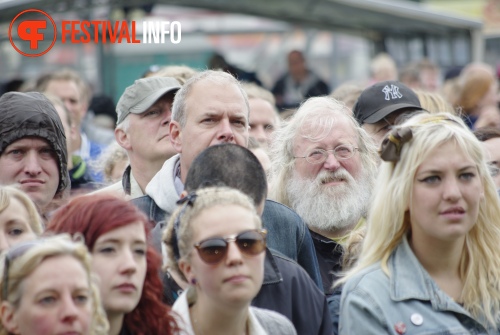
<point x="143" y="94"/>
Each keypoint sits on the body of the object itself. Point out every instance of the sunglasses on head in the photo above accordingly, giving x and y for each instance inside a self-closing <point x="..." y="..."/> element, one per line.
<point x="249" y="242"/>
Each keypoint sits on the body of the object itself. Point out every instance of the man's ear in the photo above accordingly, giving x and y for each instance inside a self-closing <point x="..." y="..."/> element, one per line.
<point x="122" y="139"/>
<point x="175" y="136"/>
<point x="7" y="317"/>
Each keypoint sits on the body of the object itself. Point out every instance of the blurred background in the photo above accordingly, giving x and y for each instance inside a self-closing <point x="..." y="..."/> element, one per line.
<point x="339" y="38"/>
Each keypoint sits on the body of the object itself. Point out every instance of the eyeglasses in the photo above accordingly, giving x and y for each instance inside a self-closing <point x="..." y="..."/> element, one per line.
<point x="341" y="152"/>
<point x="250" y="243"/>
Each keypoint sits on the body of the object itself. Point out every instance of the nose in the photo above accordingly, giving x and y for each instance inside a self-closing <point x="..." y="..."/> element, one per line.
<point x="69" y="310"/>
<point x="259" y="134"/>
<point x="225" y="132"/>
<point x="452" y="190"/>
<point x="128" y="263"/>
<point x="331" y="163"/>
<point x="32" y="166"/>
<point x="167" y="116"/>
<point x="234" y="256"/>
<point x="4" y="242"/>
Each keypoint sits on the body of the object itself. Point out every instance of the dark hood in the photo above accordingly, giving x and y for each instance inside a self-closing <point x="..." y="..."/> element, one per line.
<point x="32" y="114"/>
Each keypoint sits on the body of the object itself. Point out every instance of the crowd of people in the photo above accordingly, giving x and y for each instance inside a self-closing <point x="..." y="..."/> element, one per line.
<point x="209" y="205"/>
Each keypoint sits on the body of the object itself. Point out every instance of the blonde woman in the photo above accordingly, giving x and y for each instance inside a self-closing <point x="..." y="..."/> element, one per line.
<point x="215" y="241"/>
<point x="19" y="219"/>
<point x="47" y="288"/>
<point x="430" y="261"/>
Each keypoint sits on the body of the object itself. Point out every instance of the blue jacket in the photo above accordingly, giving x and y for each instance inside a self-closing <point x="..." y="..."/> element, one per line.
<point x="410" y="300"/>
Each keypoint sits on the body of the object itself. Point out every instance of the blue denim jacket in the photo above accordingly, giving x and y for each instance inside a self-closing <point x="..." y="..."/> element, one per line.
<point x="407" y="302"/>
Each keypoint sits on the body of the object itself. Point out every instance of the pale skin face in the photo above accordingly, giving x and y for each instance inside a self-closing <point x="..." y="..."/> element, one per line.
<point x="31" y="165"/>
<point x="237" y="278"/>
<point x="341" y="133"/>
<point x="15" y="225"/>
<point x="215" y="113"/>
<point x="69" y="93"/>
<point x="148" y="136"/>
<point x="493" y="149"/>
<point x="446" y="195"/>
<point x="52" y="302"/>
<point x="119" y="260"/>
<point x="263" y="120"/>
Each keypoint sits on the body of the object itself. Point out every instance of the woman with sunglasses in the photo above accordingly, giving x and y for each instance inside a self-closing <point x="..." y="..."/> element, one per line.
<point x="19" y="219"/>
<point x="430" y="260"/>
<point x="216" y="243"/>
<point x="115" y="232"/>
<point x="47" y="288"/>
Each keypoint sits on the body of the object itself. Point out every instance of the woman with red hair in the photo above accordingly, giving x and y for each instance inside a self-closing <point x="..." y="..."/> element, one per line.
<point x="116" y="232"/>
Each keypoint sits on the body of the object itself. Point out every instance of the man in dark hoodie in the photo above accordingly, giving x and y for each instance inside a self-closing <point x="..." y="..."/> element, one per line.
<point x="33" y="154"/>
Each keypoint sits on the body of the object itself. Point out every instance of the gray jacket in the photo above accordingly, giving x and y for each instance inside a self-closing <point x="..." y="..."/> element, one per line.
<point x="409" y="302"/>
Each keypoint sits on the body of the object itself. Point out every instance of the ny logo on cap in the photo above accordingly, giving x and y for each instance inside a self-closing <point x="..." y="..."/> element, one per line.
<point x="391" y="92"/>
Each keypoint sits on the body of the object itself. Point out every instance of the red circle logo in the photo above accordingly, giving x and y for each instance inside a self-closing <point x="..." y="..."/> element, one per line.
<point x="29" y="30"/>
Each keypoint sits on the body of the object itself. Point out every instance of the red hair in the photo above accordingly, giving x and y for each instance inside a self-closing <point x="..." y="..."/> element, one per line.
<point x="95" y="215"/>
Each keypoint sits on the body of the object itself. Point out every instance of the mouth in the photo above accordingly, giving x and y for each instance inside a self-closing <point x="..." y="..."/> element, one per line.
<point x="454" y="210"/>
<point x="332" y="181"/>
<point x="31" y="182"/>
<point x="126" y="288"/>
<point x="236" y="279"/>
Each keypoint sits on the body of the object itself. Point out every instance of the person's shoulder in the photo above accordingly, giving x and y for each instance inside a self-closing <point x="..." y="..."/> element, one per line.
<point x="281" y="211"/>
<point x="371" y="279"/>
<point x="273" y="322"/>
<point x="114" y="189"/>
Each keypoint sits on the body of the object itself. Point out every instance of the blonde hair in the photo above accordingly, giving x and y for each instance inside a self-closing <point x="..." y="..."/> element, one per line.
<point x="108" y="159"/>
<point x="8" y="192"/>
<point x="39" y="250"/>
<point x="322" y="115"/>
<point x="205" y="198"/>
<point x="388" y="221"/>
<point x="435" y="102"/>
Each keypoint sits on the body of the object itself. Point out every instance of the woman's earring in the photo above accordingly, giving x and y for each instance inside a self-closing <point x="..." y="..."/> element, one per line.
<point x="193" y="281"/>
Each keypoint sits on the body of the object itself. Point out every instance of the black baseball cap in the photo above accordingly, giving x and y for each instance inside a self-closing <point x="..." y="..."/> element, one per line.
<point x="382" y="99"/>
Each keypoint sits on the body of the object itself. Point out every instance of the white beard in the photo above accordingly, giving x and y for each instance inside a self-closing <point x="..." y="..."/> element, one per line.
<point x="330" y="208"/>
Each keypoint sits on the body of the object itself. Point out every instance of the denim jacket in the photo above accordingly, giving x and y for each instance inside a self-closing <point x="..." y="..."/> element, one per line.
<point x="407" y="302"/>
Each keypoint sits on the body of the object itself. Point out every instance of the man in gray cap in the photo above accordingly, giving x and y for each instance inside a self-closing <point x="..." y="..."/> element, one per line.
<point x="33" y="154"/>
<point x="144" y="113"/>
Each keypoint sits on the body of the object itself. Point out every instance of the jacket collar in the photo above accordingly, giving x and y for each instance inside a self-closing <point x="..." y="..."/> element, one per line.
<point x="272" y="274"/>
<point x="409" y="280"/>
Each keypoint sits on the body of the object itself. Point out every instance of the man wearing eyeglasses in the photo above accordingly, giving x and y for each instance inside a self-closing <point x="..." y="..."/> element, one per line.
<point x="323" y="168"/>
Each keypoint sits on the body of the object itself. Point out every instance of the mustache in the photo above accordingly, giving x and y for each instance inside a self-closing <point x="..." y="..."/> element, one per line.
<point x="341" y="174"/>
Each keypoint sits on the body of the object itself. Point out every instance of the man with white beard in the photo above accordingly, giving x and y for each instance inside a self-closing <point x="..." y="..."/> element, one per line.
<point x="324" y="168"/>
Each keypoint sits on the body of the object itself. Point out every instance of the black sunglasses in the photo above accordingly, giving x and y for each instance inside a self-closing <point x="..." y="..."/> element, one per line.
<point x="250" y="243"/>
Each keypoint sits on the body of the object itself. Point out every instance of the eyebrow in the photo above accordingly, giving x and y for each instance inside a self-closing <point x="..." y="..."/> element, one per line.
<point x="434" y="171"/>
<point x="118" y="241"/>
